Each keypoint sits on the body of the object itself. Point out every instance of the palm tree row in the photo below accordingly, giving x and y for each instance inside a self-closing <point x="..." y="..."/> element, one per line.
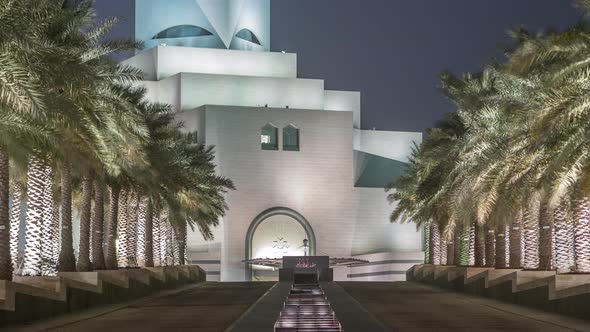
<point x="503" y="181"/>
<point x="80" y="145"/>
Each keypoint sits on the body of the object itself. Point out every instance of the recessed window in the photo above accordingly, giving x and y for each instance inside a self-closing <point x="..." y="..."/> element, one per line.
<point x="248" y="35"/>
<point x="269" y="137"/>
<point x="291" y="138"/>
<point x="182" y="31"/>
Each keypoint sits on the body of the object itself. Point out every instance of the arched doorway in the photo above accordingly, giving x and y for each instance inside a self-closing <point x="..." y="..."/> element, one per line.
<point x="275" y="233"/>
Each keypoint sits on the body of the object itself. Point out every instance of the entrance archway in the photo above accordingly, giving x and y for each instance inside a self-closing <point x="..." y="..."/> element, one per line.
<point x="283" y="230"/>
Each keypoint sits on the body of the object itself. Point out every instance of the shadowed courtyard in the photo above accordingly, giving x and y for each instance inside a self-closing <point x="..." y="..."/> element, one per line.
<point x="409" y="306"/>
<point x="209" y="307"/>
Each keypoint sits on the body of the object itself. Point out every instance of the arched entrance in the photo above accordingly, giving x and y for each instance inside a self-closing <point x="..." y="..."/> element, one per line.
<point x="278" y="232"/>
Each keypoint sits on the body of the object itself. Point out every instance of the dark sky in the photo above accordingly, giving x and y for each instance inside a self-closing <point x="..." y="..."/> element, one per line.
<point x="393" y="50"/>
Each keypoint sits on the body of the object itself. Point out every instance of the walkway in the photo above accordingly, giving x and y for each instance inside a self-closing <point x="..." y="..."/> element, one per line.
<point x="204" y="308"/>
<point x="406" y="306"/>
<point x="366" y="307"/>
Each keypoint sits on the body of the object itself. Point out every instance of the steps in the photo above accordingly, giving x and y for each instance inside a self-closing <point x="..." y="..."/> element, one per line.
<point x="565" y="294"/>
<point x="26" y="299"/>
<point x="307" y="309"/>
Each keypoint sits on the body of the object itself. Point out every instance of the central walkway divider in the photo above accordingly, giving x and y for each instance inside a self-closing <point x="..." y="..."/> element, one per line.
<point x="307" y="309"/>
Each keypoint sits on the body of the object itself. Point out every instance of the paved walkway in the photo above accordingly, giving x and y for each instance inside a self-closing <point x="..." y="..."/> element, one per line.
<point x="360" y="306"/>
<point x="407" y="306"/>
<point x="204" y="308"/>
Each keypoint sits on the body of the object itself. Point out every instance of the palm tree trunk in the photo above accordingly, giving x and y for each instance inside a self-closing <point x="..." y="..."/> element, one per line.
<point x="427" y="243"/>
<point x="582" y="235"/>
<point x="50" y="238"/>
<point x="545" y="237"/>
<point x="564" y="240"/>
<point x="531" y="239"/>
<point x="98" y="228"/>
<point x="500" y="259"/>
<point x="480" y="245"/>
<point x="15" y="214"/>
<point x="490" y="246"/>
<point x="55" y="236"/>
<point x="434" y="244"/>
<point x="36" y="182"/>
<point x="111" y="250"/>
<point x="84" y="264"/>
<point x="465" y="259"/>
<point x="157" y="231"/>
<point x="516" y="242"/>
<point x="182" y="244"/>
<point x="67" y="261"/>
<point x="5" y="259"/>
<point x="450" y="252"/>
<point x="167" y="238"/>
<point x="141" y="216"/>
<point x="132" y="229"/>
<point x="457" y="246"/>
<point x="472" y="236"/>
<point x="176" y="245"/>
<point x="149" y="235"/>
<point x="122" y="250"/>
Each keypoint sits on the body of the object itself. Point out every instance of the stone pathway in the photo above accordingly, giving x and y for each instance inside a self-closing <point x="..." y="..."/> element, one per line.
<point x="407" y="306"/>
<point x="205" y="308"/>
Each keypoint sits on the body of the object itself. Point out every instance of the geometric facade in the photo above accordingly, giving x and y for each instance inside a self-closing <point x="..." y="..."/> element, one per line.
<point x="302" y="164"/>
<point x="224" y="24"/>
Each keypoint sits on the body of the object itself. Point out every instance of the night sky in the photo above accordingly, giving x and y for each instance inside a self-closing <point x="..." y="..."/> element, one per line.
<point x="390" y="50"/>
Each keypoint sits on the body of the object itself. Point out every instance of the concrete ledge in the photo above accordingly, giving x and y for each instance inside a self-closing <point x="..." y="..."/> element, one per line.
<point x="540" y="289"/>
<point x="30" y="298"/>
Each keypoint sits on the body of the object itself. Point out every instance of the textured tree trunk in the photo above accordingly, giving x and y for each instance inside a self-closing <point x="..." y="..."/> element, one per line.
<point x="472" y="236"/>
<point x="167" y="237"/>
<point x="122" y="250"/>
<point x="531" y="239"/>
<point x="50" y="235"/>
<point x="427" y="244"/>
<point x="84" y="264"/>
<point x="5" y="259"/>
<point x="490" y="246"/>
<point x="479" y="245"/>
<point x="149" y="235"/>
<point x="182" y="244"/>
<point x="582" y="235"/>
<point x="515" y="242"/>
<point x="545" y="237"/>
<point x="141" y="216"/>
<point x="67" y="261"/>
<point x="157" y="231"/>
<point x="15" y="214"/>
<point x="457" y="246"/>
<point x="176" y="245"/>
<point x="450" y="253"/>
<point x="55" y="235"/>
<point x="500" y="259"/>
<point x="111" y="249"/>
<point x="132" y="229"/>
<point x="434" y="244"/>
<point x="98" y="229"/>
<point x="465" y="259"/>
<point x="564" y="240"/>
<point x="36" y="183"/>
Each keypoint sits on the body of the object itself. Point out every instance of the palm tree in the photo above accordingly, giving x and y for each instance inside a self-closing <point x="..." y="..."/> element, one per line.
<point x="111" y="259"/>
<point x="67" y="261"/>
<point x="15" y="221"/>
<point x="98" y="260"/>
<point x="84" y="264"/>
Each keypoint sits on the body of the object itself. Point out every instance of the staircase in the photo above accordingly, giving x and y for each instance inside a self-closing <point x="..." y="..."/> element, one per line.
<point x="307" y="309"/>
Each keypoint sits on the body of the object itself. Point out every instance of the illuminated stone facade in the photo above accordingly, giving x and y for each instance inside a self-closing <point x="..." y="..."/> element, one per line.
<point x="289" y="145"/>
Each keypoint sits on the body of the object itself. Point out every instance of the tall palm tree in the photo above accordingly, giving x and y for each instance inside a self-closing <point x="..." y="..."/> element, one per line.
<point x="84" y="264"/>
<point x="111" y="259"/>
<point x="67" y="261"/>
<point x="98" y="260"/>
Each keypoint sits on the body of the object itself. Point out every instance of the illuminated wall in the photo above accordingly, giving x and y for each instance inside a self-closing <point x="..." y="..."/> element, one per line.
<point x="225" y="24"/>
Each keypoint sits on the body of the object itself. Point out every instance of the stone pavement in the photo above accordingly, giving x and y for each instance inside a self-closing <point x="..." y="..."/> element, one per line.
<point x="204" y="308"/>
<point x="360" y="306"/>
<point x="408" y="306"/>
